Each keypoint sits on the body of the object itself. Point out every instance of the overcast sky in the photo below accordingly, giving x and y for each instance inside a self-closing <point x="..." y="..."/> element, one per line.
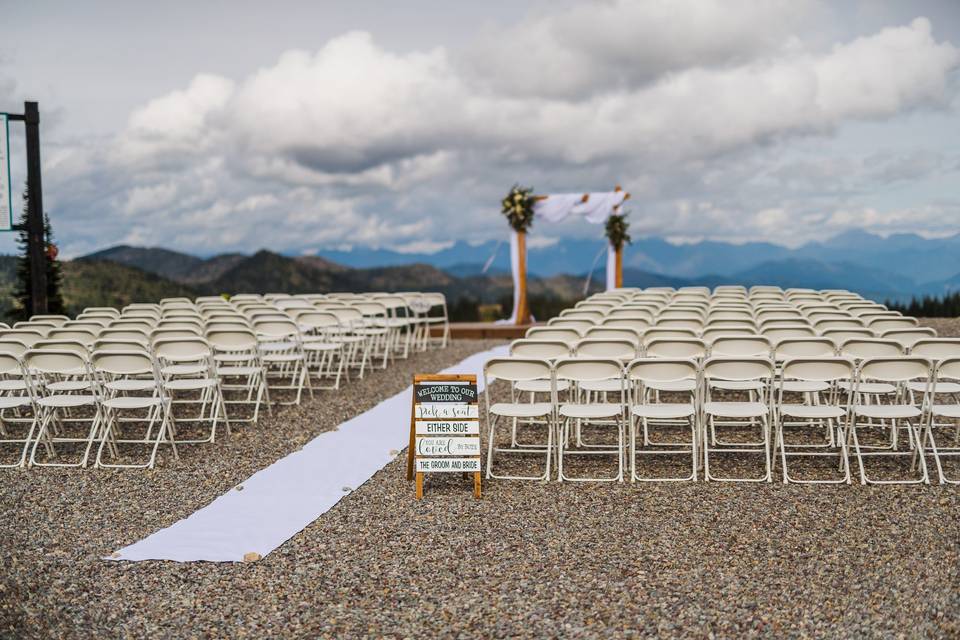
<point x="297" y="126"/>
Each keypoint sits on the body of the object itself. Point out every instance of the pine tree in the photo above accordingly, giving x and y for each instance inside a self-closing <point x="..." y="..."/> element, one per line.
<point x="23" y="305"/>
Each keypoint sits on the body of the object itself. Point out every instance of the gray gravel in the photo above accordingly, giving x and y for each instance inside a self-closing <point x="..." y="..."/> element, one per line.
<point x="529" y="560"/>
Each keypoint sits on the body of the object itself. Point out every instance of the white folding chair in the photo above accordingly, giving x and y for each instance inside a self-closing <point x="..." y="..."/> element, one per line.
<point x="236" y="352"/>
<point x="15" y="398"/>
<point x="513" y="371"/>
<point x="820" y="410"/>
<point x="897" y="407"/>
<point x="189" y="376"/>
<point x="46" y="368"/>
<point x="281" y="348"/>
<point x="944" y="416"/>
<point x="579" y="411"/>
<point x="129" y="382"/>
<point x="648" y="412"/>
<point x="737" y="415"/>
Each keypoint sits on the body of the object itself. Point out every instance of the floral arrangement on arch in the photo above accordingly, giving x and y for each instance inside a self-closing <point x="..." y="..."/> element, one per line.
<point x="518" y="207"/>
<point x="616" y="230"/>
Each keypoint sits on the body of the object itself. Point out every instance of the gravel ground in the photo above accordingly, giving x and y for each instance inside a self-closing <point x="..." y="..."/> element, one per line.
<point x="529" y="560"/>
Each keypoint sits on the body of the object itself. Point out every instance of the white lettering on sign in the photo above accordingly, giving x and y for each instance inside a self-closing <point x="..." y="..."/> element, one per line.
<point x="469" y="446"/>
<point x="446" y="411"/>
<point x="6" y="192"/>
<point x="447" y="427"/>
<point x="433" y="465"/>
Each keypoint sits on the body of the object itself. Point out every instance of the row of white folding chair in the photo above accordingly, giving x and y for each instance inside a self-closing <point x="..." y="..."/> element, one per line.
<point x="844" y="423"/>
<point x="55" y="383"/>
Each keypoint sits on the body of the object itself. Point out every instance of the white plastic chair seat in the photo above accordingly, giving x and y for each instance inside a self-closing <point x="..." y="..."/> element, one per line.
<point x="736" y="409"/>
<point x="593" y="410"/>
<point x="12" y="402"/>
<point x="131" y="403"/>
<point x="277" y="346"/>
<point x="130" y="385"/>
<point x="869" y="387"/>
<point x="612" y="386"/>
<point x="814" y="412"/>
<point x="13" y="385"/>
<point x="804" y="386"/>
<point x="541" y="386"/>
<point x="673" y="385"/>
<point x="887" y="411"/>
<point x="663" y="410"/>
<point x="321" y="346"/>
<point x="283" y="357"/>
<point x="183" y="369"/>
<point x="233" y="357"/>
<point x="942" y="387"/>
<point x="68" y="385"/>
<point x="237" y="371"/>
<point x="190" y="384"/>
<point x="63" y="402"/>
<point x="737" y="385"/>
<point x="946" y="410"/>
<point x="521" y="410"/>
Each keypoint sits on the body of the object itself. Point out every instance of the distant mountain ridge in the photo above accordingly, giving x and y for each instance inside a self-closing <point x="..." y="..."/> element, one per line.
<point x="897" y="267"/>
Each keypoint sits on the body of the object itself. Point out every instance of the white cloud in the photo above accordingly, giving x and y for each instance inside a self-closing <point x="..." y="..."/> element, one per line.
<point x="693" y="105"/>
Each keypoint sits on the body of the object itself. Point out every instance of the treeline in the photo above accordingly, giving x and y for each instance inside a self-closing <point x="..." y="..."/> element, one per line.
<point x="947" y="306"/>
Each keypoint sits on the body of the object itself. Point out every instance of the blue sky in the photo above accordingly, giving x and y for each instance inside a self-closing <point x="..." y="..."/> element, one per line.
<point x="299" y="126"/>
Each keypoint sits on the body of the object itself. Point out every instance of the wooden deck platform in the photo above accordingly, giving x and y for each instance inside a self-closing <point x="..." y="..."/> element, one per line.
<point x="484" y="331"/>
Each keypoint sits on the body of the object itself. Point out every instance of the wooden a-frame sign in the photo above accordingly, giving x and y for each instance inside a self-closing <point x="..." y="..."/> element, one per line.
<point x="444" y="428"/>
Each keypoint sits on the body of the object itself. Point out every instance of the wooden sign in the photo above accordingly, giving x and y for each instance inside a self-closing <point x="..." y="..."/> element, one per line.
<point x="444" y="428"/>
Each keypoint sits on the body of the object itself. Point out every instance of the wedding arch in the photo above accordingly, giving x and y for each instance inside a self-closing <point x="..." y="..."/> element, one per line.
<point x="521" y="207"/>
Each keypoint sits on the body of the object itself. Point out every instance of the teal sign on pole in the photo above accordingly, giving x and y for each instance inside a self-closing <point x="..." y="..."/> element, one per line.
<point x="6" y="195"/>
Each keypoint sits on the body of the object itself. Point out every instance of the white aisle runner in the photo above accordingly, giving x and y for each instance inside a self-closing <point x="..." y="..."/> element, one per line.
<point x="276" y="503"/>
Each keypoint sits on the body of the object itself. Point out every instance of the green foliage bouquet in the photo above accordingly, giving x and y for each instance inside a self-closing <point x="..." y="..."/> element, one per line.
<point x="518" y="208"/>
<point x="616" y="230"/>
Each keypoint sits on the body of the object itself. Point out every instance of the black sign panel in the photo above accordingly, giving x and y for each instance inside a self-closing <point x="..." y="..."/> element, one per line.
<point x="427" y="392"/>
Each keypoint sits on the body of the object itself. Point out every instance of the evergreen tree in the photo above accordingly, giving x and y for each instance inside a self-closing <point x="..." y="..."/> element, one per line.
<point x="23" y="305"/>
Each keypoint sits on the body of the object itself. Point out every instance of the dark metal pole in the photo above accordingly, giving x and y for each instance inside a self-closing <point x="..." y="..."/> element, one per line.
<point x="35" y="231"/>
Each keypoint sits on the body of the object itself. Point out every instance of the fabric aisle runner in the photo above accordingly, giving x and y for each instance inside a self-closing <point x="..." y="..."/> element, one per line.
<point x="278" y="502"/>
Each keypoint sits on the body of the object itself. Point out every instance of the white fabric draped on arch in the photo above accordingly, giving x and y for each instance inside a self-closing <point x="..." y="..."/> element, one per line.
<point x="595" y="208"/>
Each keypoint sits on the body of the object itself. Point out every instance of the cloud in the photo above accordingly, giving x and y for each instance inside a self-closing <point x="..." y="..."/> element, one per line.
<point x="694" y="105"/>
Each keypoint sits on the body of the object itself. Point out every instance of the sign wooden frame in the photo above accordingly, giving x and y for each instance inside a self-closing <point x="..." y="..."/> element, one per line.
<point x="461" y="421"/>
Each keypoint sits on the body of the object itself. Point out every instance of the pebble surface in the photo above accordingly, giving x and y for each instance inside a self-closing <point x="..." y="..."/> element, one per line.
<point x="528" y="560"/>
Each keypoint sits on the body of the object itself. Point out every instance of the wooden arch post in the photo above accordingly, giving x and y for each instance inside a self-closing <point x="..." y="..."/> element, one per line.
<point x="523" y="309"/>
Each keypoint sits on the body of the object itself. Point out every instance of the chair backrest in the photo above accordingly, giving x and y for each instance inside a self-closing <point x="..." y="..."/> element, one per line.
<point x="740" y="346"/>
<point x="62" y="345"/>
<point x="516" y="369"/>
<point x="314" y="320"/>
<point x="119" y="345"/>
<point x="123" y="363"/>
<point x="568" y="323"/>
<point x="656" y="334"/>
<point x="863" y="348"/>
<point x="738" y="369"/>
<point x="676" y="348"/>
<point x="26" y="336"/>
<point x="540" y="349"/>
<point x="276" y="328"/>
<point x="182" y="349"/>
<point x="136" y="325"/>
<point x="160" y="334"/>
<point x="621" y="350"/>
<point x="13" y="347"/>
<point x="615" y="333"/>
<point x="10" y="365"/>
<point x="818" y="369"/>
<point x="79" y="335"/>
<point x="582" y="314"/>
<point x="569" y="335"/>
<point x="232" y="340"/>
<point x="895" y="369"/>
<point x="888" y="324"/>
<point x="637" y="324"/>
<point x="42" y="327"/>
<point x="805" y="348"/>
<point x="662" y="369"/>
<point x="588" y="369"/>
<point x="56" y="362"/>
<point x="125" y="334"/>
<point x="948" y="369"/>
<point x="936" y="348"/>
<point x="908" y="337"/>
<point x="839" y="336"/>
<point x="110" y="311"/>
